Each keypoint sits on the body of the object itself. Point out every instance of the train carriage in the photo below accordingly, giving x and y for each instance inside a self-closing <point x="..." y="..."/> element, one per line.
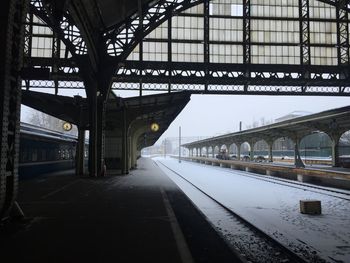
<point x="43" y="151"/>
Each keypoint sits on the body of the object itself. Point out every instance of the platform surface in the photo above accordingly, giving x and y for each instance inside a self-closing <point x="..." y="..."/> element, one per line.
<point x="141" y="217"/>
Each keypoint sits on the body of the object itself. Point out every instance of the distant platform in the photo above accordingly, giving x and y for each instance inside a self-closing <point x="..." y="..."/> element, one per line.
<point x="320" y="174"/>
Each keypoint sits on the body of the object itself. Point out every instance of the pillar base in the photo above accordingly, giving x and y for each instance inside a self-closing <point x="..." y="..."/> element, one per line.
<point x="303" y="178"/>
<point x="271" y="173"/>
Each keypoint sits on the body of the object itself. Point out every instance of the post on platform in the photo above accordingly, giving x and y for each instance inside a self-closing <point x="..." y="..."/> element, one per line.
<point x="165" y="148"/>
<point x="179" y="144"/>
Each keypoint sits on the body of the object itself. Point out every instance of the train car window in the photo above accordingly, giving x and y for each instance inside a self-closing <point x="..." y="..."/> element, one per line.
<point x="23" y="155"/>
<point x="34" y="155"/>
<point x="53" y="154"/>
<point x="43" y="154"/>
<point x="39" y="156"/>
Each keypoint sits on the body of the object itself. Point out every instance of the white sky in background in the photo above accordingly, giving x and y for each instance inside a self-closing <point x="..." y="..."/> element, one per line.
<point x="211" y="115"/>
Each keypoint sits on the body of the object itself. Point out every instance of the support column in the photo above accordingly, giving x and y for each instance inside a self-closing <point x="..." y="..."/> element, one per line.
<point x="212" y="152"/>
<point x="252" y="150"/>
<point x="129" y="153"/>
<point x="80" y="154"/>
<point x="335" y="149"/>
<point x="93" y="135"/>
<point x="96" y="135"/>
<point x="270" y="152"/>
<point x="12" y="17"/>
<point x="125" y="150"/>
<point x="297" y="159"/>
<point x="100" y="129"/>
<point x="238" y="150"/>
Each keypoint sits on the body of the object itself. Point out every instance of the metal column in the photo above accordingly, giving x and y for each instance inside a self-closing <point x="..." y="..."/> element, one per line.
<point x="79" y="166"/>
<point x="297" y="159"/>
<point x="125" y="150"/>
<point x="93" y="135"/>
<point x="251" y="152"/>
<point x="12" y="16"/>
<point x="270" y="152"/>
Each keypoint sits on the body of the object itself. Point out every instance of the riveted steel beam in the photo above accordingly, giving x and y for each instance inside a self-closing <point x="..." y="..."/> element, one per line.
<point x="342" y="35"/>
<point x="121" y="39"/>
<point x="12" y="17"/>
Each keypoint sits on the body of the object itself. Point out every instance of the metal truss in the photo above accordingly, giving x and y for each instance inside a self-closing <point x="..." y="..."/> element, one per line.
<point x="305" y="57"/>
<point x="210" y="78"/>
<point x="123" y="38"/>
<point x="11" y="54"/>
<point x="342" y="35"/>
<point x="205" y="77"/>
<point x="246" y="31"/>
<point x="343" y="4"/>
<point x="232" y="78"/>
<point x="65" y="27"/>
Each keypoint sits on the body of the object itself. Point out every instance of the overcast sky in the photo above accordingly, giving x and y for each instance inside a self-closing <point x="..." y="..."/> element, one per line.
<point x="210" y="115"/>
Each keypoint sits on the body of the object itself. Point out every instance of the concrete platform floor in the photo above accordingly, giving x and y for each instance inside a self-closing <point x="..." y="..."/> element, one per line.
<point x="141" y="217"/>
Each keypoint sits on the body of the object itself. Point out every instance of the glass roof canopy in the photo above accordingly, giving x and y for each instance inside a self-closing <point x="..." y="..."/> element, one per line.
<point x="209" y="38"/>
<point x="274" y="34"/>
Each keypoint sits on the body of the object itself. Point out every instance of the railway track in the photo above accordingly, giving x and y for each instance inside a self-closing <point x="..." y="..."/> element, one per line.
<point x="251" y="243"/>
<point x="341" y="194"/>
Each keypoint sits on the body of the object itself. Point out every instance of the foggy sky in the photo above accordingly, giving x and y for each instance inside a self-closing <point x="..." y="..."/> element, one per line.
<point x="211" y="115"/>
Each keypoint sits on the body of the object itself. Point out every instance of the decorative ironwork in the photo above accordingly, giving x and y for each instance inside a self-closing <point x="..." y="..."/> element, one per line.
<point x="122" y="39"/>
<point x="271" y="79"/>
<point x="301" y="76"/>
<point x="67" y="30"/>
<point x="12" y="57"/>
<point x="246" y="32"/>
<point x="344" y="4"/>
<point x="304" y="32"/>
<point x="342" y="34"/>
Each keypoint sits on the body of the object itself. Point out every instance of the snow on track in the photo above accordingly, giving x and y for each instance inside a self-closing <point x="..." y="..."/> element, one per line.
<point x="274" y="208"/>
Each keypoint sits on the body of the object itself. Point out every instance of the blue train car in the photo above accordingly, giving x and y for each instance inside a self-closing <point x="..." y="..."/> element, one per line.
<point x="43" y="151"/>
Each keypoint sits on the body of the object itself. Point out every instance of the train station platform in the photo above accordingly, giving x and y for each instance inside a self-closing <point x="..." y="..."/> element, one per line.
<point x="142" y="217"/>
<point x="338" y="177"/>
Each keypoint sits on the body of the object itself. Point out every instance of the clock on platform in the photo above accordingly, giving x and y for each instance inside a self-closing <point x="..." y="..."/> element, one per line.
<point x="67" y="126"/>
<point x="154" y="127"/>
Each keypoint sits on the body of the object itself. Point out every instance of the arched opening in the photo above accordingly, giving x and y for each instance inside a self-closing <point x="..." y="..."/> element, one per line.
<point x="210" y="151"/>
<point x="216" y="150"/>
<point x="185" y="152"/>
<point x="261" y="150"/>
<point x="223" y="148"/>
<point x="283" y="149"/>
<point x="316" y="148"/>
<point x="245" y="151"/>
<point x="344" y="149"/>
<point x="223" y="153"/>
<point x="204" y="152"/>
<point x="233" y="151"/>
